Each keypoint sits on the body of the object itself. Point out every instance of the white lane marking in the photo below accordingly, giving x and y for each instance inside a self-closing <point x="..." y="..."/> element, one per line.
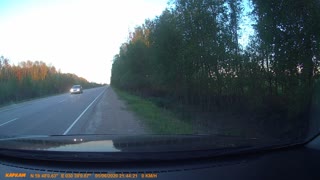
<point x="22" y="104"/>
<point x="82" y="113"/>
<point x="30" y="102"/>
<point x="8" y="122"/>
<point x="15" y="107"/>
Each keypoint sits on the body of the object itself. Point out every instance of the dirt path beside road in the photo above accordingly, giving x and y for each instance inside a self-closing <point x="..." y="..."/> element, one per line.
<point x="111" y="116"/>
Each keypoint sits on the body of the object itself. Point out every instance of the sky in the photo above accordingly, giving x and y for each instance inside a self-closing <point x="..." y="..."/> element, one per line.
<point x="75" y="36"/>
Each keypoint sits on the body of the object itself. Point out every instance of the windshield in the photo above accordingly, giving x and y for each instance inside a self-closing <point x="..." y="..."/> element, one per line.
<point x="246" y="71"/>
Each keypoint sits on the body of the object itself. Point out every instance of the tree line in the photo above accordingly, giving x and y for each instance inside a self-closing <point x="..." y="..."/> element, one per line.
<point x="191" y="55"/>
<point x="31" y="79"/>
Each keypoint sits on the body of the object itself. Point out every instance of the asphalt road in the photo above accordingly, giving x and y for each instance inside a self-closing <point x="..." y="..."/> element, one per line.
<point x="96" y="111"/>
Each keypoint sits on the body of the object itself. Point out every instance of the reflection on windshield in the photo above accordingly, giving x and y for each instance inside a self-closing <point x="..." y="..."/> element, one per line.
<point x="97" y="146"/>
<point x="240" y="68"/>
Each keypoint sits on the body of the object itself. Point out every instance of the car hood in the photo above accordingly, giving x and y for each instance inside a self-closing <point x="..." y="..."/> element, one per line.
<point x="119" y="147"/>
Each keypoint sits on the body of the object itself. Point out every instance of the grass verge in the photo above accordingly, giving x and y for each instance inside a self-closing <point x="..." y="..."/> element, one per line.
<point x="159" y="120"/>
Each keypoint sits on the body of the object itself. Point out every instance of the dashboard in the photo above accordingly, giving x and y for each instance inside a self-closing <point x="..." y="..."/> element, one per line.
<point x="294" y="162"/>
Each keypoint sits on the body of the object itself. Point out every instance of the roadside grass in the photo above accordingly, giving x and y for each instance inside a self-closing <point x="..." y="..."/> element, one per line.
<point x="159" y="120"/>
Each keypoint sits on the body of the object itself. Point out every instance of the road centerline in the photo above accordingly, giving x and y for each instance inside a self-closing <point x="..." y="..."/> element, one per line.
<point x="84" y="111"/>
<point x="12" y="108"/>
<point x="62" y="101"/>
<point x="8" y="122"/>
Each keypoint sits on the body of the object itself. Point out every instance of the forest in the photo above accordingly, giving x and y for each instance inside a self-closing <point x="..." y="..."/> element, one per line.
<point x="191" y="56"/>
<point x="35" y="79"/>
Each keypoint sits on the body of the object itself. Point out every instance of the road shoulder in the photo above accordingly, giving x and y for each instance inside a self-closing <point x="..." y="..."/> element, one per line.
<point x="111" y="116"/>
